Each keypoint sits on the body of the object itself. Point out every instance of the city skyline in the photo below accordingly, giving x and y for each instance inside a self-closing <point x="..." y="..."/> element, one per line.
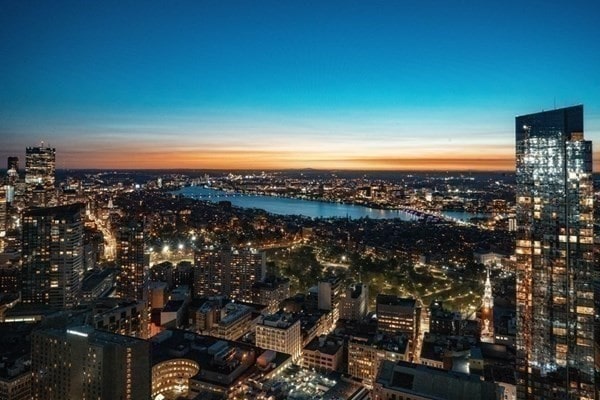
<point x="337" y="85"/>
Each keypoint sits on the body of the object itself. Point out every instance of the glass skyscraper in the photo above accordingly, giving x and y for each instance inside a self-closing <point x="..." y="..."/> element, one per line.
<point x="555" y="261"/>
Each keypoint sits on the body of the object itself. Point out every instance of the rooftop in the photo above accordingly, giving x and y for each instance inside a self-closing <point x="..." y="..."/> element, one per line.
<point x="58" y="211"/>
<point x="391" y="300"/>
<point x="324" y="345"/>
<point x="433" y="382"/>
<point x="94" y="279"/>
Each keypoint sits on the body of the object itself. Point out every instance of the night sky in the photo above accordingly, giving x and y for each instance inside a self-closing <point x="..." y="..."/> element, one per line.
<point x="290" y="84"/>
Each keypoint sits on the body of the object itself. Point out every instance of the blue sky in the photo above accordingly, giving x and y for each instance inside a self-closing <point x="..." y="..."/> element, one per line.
<point x="289" y="83"/>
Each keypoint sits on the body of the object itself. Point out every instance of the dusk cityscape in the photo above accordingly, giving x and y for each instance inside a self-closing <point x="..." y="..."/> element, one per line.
<point x="363" y="200"/>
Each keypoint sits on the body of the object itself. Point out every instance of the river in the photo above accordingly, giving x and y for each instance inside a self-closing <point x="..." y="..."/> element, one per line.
<point x="306" y="208"/>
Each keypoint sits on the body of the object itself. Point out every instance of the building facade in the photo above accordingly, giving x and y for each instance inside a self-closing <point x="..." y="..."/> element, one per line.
<point x="52" y="255"/>
<point x="554" y="251"/>
<point x="397" y="315"/>
<point x="280" y="332"/>
<point x="354" y="305"/>
<point x="365" y="355"/>
<point x="228" y="272"/>
<point x="133" y="279"/>
<point x="82" y="363"/>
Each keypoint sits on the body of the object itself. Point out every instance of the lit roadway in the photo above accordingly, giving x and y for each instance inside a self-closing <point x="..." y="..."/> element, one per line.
<point x="110" y="246"/>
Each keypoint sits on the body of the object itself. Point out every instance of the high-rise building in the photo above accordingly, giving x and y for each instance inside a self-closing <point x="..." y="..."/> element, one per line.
<point x="555" y="261"/>
<point x="40" y="166"/>
<point x="209" y="272"/>
<point x="133" y="279"/>
<point x="247" y="267"/>
<point x="83" y="363"/>
<point x="52" y="255"/>
<point x="228" y="272"/>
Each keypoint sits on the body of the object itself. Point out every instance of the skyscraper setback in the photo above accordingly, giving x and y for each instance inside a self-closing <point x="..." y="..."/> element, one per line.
<point x="555" y="263"/>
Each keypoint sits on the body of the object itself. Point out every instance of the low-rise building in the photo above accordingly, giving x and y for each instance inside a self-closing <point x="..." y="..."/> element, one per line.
<point x="235" y="321"/>
<point x="187" y="364"/>
<point x="365" y="354"/>
<point x="280" y="332"/>
<point x="271" y="292"/>
<point x="97" y="284"/>
<point x="323" y="354"/>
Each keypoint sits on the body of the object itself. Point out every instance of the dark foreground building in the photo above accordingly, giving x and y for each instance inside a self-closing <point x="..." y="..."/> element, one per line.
<point x="83" y="363"/>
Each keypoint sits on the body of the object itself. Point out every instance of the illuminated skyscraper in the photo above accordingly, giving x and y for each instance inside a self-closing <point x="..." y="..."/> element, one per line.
<point x="40" y="166"/>
<point x="134" y="276"/>
<point x="52" y="255"/>
<point x="555" y="262"/>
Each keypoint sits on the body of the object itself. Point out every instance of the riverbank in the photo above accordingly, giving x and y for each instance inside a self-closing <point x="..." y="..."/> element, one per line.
<point x="314" y="208"/>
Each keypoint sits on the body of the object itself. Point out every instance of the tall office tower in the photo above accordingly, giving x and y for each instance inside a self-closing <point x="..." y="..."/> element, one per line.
<point x="52" y="255"/>
<point x="82" y="363"/>
<point x="40" y="166"/>
<point x="133" y="279"/>
<point x="555" y="262"/>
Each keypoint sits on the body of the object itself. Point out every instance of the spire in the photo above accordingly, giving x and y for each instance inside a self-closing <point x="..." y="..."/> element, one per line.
<point x="488" y="301"/>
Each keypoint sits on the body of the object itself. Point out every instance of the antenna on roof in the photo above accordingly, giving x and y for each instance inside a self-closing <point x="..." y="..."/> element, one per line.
<point x="555" y="102"/>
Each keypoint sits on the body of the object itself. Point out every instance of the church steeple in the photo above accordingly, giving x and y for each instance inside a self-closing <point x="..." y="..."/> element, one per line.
<point x="487" y="312"/>
<point x="488" y="300"/>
